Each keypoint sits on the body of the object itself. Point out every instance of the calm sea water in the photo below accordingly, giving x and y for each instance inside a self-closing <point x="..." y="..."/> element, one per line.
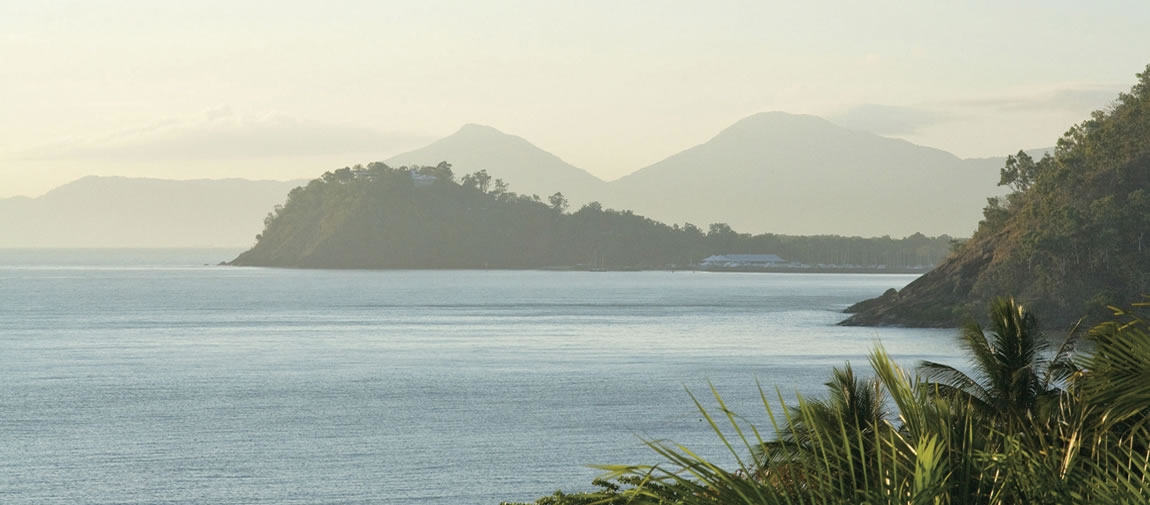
<point x="147" y="377"/>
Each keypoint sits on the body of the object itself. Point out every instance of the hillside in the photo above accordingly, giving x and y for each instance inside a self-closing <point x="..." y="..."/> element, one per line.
<point x="1068" y="240"/>
<point x="508" y="157"/>
<point x="425" y="217"/>
<point x="802" y="174"/>
<point x="139" y="212"/>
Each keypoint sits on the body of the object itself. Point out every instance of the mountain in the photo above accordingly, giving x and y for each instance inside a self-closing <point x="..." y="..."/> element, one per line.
<point x="771" y="172"/>
<point x="1068" y="241"/>
<point x="139" y="212"/>
<point x="527" y="168"/>
<point x="801" y="174"/>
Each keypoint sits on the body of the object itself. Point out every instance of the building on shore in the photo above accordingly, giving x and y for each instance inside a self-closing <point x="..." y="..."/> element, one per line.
<point x="744" y="261"/>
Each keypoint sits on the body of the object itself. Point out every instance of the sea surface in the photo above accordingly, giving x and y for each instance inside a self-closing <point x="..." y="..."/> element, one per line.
<point x="155" y="377"/>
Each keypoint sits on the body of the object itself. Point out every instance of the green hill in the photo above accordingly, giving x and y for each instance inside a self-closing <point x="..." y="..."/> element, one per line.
<point x="380" y="217"/>
<point x="1070" y="239"/>
<point x="423" y="217"/>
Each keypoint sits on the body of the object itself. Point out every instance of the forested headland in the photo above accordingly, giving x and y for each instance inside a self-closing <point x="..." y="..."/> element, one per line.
<point x="376" y="216"/>
<point x="1069" y="240"/>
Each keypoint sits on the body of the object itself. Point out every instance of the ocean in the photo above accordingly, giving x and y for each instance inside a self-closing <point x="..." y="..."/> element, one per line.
<point x="156" y="377"/>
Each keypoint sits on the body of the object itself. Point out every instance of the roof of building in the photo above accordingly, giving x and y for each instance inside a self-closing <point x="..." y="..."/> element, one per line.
<point x="746" y="258"/>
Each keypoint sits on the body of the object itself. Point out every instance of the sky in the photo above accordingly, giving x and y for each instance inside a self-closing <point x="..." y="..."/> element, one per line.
<point x="289" y="89"/>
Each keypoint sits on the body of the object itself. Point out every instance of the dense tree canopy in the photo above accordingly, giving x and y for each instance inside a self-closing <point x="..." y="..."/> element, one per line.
<point x="1077" y="220"/>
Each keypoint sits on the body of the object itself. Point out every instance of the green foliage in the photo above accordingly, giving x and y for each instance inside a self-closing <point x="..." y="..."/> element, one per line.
<point x="1032" y="426"/>
<point x="558" y="202"/>
<point x="1012" y="375"/>
<point x="617" y="491"/>
<point x="421" y="217"/>
<point x="1076" y="221"/>
<point x="1069" y="240"/>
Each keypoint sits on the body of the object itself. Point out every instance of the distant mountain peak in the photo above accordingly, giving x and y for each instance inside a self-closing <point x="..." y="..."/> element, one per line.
<point x="778" y="115"/>
<point x="801" y="174"/>
<point x="478" y="129"/>
<point x="527" y="167"/>
<point x="776" y="120"/>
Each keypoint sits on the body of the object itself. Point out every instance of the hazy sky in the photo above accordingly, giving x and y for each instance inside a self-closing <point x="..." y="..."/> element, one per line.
<point x="287" y="89"/>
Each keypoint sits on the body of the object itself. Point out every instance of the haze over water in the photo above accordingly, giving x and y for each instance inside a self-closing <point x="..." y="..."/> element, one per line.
<point x="144" y="377"/>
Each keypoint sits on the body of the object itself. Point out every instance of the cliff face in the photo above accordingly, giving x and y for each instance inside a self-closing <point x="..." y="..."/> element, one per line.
<point x="939" y="298"/>
<point x="1070" y="240"/>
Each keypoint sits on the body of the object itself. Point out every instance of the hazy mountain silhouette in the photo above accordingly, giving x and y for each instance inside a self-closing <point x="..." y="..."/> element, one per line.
<point x="799" y="174"/>
<point x="771" y="172"/>
<point x="138" y="212"/>
<point x="527" y="168"/>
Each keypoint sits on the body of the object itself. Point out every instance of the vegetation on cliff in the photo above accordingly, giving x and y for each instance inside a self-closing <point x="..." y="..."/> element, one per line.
<point x="1069" y="239"/>
<point x="425" y="217"/>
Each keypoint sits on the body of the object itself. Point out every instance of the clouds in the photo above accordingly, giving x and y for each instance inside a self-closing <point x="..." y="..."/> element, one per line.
<point x="221" y="134"/>
<point x="1072" y="101"/>
<point x="889" y="119"/>
<point x="1077" y="99"/>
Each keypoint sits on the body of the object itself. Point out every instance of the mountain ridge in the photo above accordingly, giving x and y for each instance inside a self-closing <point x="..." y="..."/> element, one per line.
<point x="699" y="193"/>
<point x="115" y="211"/>
<point x="527" y="167"/>
<point x="806" y="163"/>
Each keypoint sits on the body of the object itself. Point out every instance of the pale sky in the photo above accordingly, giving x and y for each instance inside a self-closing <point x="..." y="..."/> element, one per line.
<point x="288" y="89"/>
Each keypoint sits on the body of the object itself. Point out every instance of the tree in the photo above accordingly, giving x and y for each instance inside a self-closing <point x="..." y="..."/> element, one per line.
<point x="443" y="169"/>
<point x="478" y="180"/>
<point x="1019" y="172"/>
<point x="558" y="202"/>
<point x="855" y="406"/>
<point x="499" y="188"/>
<point x="1011" y="373"/>
<point x="719" y="230"/>
<point x="593" y="207"/>
<point x="692" y="230"/>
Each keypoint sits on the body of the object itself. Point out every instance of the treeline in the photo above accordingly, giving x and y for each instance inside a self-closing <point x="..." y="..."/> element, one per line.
<point x="377" y="216"/>
<point x="1031" y="423"/>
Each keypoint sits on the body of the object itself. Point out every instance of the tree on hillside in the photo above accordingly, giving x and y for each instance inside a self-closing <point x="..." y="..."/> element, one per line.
<point x="1019" y="172"/>
<point x="478" y="180"/>
<point x="442" y="171"/>
<point x="558" y="202"/>
<point x="499" y="188"/>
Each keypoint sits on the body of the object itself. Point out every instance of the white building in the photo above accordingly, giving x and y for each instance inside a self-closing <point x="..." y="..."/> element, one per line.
<point x="743" y="261"/>
<point x="422" y="180"/>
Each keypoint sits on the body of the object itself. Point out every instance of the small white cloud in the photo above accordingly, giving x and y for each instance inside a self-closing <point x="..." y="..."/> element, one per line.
<point x="218" y="113"/>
